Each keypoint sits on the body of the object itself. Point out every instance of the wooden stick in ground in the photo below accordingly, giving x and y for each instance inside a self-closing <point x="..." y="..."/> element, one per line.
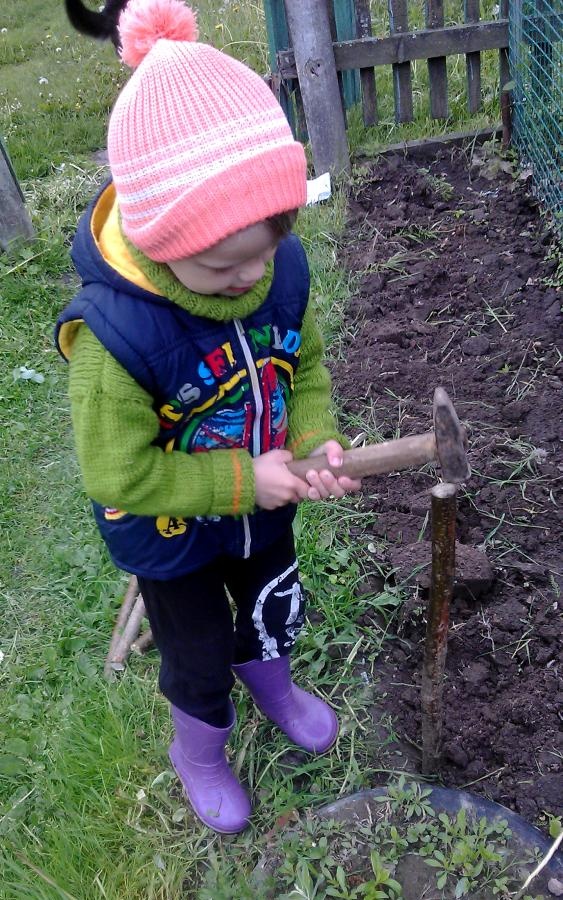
<point x="130" y="633"/>
<point x="124" y="613"/>
<point x="443" y="571"/>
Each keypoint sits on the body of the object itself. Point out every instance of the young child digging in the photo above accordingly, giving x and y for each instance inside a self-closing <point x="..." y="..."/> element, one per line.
<point x="195" y="377"/>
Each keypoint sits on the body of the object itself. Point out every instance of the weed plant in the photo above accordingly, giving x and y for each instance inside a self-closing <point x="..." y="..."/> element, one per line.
<point x="400" y="833"/>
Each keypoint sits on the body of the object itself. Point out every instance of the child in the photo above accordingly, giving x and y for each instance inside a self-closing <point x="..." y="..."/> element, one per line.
<point x="195" y="377"/>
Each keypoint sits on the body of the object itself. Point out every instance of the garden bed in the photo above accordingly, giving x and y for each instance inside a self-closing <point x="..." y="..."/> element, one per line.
<point x="458" y="287"/>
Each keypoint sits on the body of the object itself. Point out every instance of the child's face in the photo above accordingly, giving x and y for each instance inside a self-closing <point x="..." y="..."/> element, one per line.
<point x="232" y="266"/>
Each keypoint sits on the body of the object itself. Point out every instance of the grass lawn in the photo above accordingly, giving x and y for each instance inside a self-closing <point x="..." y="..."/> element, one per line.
<point x="88" y="804"/>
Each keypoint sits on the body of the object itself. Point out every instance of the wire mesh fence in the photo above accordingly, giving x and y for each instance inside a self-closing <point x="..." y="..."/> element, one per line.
<point x="536" y="41"/>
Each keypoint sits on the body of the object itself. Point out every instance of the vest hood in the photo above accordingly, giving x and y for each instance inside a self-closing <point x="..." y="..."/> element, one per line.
<point x="95" y="263"/>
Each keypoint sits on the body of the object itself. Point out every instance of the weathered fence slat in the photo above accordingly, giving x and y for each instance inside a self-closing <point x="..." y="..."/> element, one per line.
<point x="367" y="76"/>
<point x="409" y="46"/>
<point x="471" y="11"/>
<point x="402" y="76"/>
<point x="504" y="65"/>
<point x="437" y="67"/>
<point x="301" y="130"/>
<point x="345" y="23"/>
<point x="309" y="29"/>
<point x="14" y="217"/>
<point x="504" y="79"/>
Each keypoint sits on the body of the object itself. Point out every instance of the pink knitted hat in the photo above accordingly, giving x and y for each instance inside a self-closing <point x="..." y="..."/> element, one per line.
<point x="198" y="146"/>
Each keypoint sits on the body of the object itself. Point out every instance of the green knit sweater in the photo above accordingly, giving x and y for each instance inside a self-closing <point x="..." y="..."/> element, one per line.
<point x="115" y="424"/>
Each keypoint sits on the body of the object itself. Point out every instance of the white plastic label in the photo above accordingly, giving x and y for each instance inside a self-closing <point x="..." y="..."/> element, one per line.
<point x="318" y="189"/>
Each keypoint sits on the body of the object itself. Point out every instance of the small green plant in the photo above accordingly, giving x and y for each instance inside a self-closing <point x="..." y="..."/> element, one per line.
<point x="382" y="886"/>
<point x="409" y="799"/>
<point x="555" y="255"/>
<point x="469" y="852"/>
<point x="554" y="826"/>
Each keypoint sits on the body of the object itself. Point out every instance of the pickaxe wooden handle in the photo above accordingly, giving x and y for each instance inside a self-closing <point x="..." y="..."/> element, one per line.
<point x="445" y="446"/>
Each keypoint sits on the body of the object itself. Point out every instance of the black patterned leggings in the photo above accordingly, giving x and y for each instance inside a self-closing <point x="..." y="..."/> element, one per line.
<point x="192" y="624"/>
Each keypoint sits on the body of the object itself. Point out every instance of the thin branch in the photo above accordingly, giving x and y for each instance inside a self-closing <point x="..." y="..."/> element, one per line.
<point x="130" y="632"/>
<point x="142" y="643"/>
<point x="124" y="613"/>
<point x="551" y="852"/>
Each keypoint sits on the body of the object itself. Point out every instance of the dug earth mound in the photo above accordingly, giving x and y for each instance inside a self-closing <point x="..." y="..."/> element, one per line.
<point x="456" y="285"/>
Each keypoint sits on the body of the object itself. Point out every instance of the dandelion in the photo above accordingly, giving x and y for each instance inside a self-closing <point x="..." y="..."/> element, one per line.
<point x="43" y="80"/>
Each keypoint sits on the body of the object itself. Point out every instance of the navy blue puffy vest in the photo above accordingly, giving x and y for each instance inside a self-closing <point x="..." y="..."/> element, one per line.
<point x="215" y="385"/>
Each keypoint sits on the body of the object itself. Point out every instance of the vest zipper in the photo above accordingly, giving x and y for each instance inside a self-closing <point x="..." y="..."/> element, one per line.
<point x="258" y="411"/>
<point x="253" y="374"/>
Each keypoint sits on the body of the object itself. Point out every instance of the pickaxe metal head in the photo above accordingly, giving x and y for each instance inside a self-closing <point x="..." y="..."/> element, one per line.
<point x="450" y="439"/>
<point x="445" y="445"/>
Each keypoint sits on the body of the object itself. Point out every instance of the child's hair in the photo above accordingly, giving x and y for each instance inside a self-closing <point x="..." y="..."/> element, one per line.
<point x="198" y="146"/>
<point x="282" y="224"/>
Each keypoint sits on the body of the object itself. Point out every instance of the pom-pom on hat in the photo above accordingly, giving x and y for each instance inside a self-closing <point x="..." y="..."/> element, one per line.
<point x="198" y="146"/>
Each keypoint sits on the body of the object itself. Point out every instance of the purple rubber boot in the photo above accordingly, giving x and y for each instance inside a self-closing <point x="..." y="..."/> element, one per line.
<point x="198" y="756"/>
<point x="308" y="721"/>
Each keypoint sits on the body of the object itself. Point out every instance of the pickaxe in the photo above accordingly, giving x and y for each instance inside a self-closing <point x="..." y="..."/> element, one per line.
<point x="444" y="445"/>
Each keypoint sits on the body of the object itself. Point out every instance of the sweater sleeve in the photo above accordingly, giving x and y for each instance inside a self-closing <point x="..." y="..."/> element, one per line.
<point x="115" y="426"/>
<point x="311" y="422"/>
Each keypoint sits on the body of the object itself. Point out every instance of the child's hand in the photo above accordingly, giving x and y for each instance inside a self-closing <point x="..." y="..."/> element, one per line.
<point x="275" y="485"/>
<point x="324" y="484"/>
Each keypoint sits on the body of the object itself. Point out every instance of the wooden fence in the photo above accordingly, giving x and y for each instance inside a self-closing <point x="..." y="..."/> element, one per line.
<point x="315" y="62"/>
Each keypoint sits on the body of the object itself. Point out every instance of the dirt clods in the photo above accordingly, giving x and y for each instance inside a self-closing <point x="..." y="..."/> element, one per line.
<point x="457" y="287"/>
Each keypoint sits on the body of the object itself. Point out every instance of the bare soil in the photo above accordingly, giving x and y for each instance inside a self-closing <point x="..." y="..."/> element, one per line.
<point x="454" y="289"/>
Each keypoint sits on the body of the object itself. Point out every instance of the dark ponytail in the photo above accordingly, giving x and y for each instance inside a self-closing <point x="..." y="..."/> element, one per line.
<point x="101" y="25"/>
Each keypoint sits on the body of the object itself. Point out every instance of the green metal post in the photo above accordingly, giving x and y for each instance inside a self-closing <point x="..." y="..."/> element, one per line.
<point x="276" y="27"/>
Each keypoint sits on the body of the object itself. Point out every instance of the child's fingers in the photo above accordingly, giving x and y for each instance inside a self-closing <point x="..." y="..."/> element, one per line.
<point x="317" y="489"/>
<point x="301" y="490"/>
<point x="349" y="484"/>
<point x="324" y="484"/>
<point x="334" y="453"/>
